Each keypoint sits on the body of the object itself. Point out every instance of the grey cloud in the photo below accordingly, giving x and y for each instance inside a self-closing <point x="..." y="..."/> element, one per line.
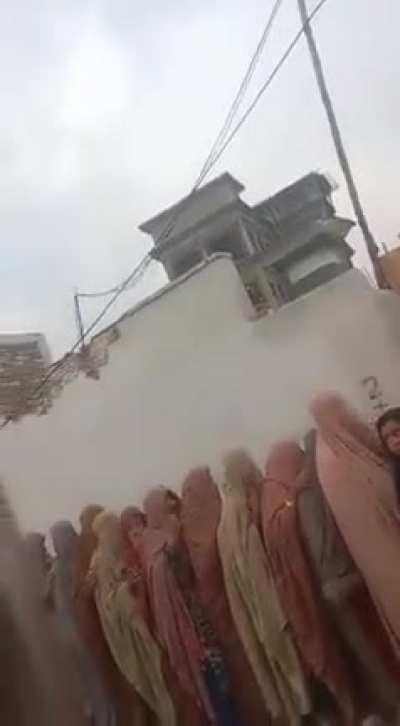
<point x="74" y="184"/>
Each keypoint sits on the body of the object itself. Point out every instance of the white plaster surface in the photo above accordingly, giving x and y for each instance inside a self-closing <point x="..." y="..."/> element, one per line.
<point x="190" y="376"/>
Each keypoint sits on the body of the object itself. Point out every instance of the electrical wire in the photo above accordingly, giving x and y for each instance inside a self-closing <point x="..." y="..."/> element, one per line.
<point x="103" y="293"/>
<point x="268" y="82"/>
<point x="143" y="264"/>
<point x="147" y="259"/>
<point x="242" y="89"/>
<point x="112" y="290"/>
<point x="223" y="131"/>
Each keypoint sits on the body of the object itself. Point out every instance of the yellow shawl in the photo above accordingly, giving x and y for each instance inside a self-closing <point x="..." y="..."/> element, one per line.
<point x="134" y="649"/>
<point x="254" y="602"/>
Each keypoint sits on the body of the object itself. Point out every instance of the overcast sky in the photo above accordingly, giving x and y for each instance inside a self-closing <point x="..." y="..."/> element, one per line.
<point x="109" y="108"/>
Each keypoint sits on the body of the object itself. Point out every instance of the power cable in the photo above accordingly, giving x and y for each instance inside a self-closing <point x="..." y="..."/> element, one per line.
<point x="242" y="89"/>
<point x="267" y="83"/>
<point x="146" y="260"/>
<point x="112" y="290"/>
<point x="59" y="364"/>
<point x="223" y="131"/>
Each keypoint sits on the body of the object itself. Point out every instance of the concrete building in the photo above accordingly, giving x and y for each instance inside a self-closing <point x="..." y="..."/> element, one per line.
<point x="24" y="359"/>
<point x="188" y="374"/>
<point x="283" y="247"/>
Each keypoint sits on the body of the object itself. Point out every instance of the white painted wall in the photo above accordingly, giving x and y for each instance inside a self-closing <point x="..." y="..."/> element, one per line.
<point x="189" y="377"/>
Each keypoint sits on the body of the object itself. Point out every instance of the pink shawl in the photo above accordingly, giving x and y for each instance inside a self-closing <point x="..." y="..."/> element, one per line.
<point x="200" y="516"/>
<point x="173" y="623"/>
<point x="293" y="575"/>
<point x="360" y="490"/>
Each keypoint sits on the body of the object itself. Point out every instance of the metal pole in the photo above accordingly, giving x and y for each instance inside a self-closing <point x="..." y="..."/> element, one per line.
<point x="370" y="243"/>
<point x="78" y="318"/>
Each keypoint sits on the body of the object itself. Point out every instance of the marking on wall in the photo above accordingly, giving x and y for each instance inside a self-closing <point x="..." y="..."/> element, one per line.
<point x="375" y="394"/>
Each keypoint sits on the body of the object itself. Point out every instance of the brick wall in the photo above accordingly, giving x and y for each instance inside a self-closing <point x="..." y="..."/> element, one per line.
<point x="23" y="364"/>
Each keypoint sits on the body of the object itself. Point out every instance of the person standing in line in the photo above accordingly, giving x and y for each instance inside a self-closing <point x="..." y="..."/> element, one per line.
<point x="35" y="679"/>
<point x="200" y="517"/>
<point x="134" y="649"/>
<point x="61" y="590"/>
<point x="353" y="613"/>
<point x="133" y="524"/>
<point x="179" y="615"/>
<point x="388" y="428"/>
<point x="360" y="488"/>
<point x="303" y="605"/>
<point x="254" y="601"/>
<point x="120" y="693"/>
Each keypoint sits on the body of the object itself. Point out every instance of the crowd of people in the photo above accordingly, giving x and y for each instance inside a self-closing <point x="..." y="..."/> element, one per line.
<point x="271" y="599"/>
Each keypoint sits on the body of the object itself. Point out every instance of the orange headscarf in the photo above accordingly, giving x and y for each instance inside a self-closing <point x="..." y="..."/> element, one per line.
<point x="130" y="518"/>
<point x="172" y="619"/>
<point x="200" y="516"/>
<point x="360" y="490"/>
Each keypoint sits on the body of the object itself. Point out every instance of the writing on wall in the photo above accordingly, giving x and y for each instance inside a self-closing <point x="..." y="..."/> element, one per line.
<point x="375" y="394"/>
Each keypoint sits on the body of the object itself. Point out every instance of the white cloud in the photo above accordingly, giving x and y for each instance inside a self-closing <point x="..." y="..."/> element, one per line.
<point x="95" y="82"/>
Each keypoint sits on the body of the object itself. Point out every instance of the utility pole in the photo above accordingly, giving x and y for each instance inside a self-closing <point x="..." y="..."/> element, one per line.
<point x="370" y="243"/>
<point x="78" y="318"/>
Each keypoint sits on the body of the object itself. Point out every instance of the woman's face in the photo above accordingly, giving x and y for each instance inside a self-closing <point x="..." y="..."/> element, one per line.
<point x="253" y="500"/>
<point x="155" y="507"/>
<point x="136" y="529"/>
<point x="390" y="435"/>
<point x="172" y="503"/>
<point x="111" y="536"/>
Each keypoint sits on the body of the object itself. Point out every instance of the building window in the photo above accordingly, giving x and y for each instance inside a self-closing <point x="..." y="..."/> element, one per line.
<point x="312" y="262"/>
<point x="276" y="285"/>
<point x="256" y="295"/>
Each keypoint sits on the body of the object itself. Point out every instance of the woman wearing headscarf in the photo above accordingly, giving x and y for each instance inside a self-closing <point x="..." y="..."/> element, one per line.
<point x="254" y="602"/>
<point x="133" y="523"/>
<point x="353" y="613"/>
<point x="360" y="489"/>
<point x="300" y="598"/>
<point x="33" y="673"/>
<point x="120" y="693"/>
<point x="181" y="621"/>
<point x="97" y="704"/>
<point x="329" y="555"/>
<point x="200" y="517"/>
<point x="388" y="428"/>
<point x="131" y="643"/>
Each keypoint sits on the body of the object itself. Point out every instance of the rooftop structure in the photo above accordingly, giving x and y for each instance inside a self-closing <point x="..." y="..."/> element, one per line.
<point x="283" y="246"/>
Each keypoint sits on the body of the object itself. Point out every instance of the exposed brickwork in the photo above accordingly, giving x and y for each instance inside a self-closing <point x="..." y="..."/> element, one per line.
<point x="88" y="361"/>
<point x="23" y="368"/>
